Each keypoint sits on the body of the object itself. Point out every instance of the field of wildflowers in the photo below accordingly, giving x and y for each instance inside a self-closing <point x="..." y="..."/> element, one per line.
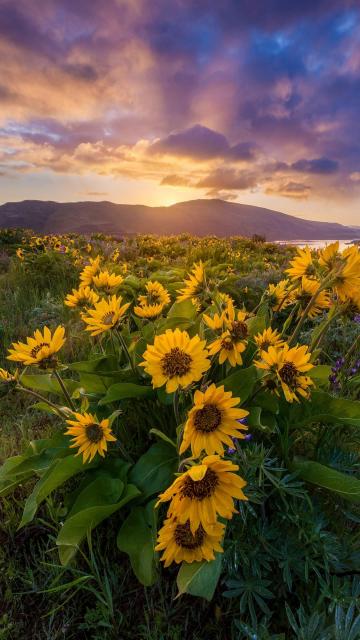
<point x="198" y="403"/>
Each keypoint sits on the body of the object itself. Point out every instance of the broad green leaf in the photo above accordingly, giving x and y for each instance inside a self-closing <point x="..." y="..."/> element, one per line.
<point x="174" y="322"/>
<point x="137" y="538"/>
<point x="102" y="490"/>
<point x="322" y="407"/>
<point x="241" y="383"/>
<point x="342" y="484"/>
<point x="163" y="436"/>
<point x="260" y="418"/>
<point x="199" y="578"/>
<point x="122" y="390"/>
<point x="154" y="471"/>
<point x="54" y="477"/>
<point x="183" y="309"/>
<point x="320" y="375"/>
<point x="45" y="382"/>
<point x="77" y="527"/>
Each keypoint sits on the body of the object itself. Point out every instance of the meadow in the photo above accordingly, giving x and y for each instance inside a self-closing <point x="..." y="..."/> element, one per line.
<point x="179" y="439"/>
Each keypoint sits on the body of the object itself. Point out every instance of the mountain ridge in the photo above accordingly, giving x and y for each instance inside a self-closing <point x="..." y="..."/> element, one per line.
<point x="200" y="217"/>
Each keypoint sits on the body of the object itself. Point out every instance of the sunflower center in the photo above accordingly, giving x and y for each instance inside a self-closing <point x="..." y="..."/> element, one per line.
<point x="288" y="373"/>
<point x="153" y="298"/>
<point x="310" y="270"/>
<point x="176" y="363"/>
<point x="35" y="350"/>
<point x="198" y="490"/>
<point x="226" y="343"/>
<point x="239" y="330"/>
<point x="184" y="538"/>
<point x="94" y="432"/>
<point x="265" y="344"/>
<point x="207" y="419"/>
<point x="108" y="318"/>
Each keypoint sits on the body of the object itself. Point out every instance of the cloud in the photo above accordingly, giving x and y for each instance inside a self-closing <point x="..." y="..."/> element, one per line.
<point x="317" y="165"/>
<point x="94" y="193"/>
<point x="228" y="179"/>
<point x="296" y="190"/>
<point x="174" y="180"/>
<point x="197" y="142"/>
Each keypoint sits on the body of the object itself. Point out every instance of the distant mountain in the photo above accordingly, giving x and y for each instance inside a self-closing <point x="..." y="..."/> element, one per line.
<point x="199" y="217"/>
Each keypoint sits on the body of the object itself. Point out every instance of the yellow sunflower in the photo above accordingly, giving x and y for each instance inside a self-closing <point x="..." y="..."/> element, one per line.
<point x="156" y="294"/>
<point x="81" y="297"/>
<point x="212" y="421"/>
<point x="20" y="254"/>
<point x="228" y="348"/>
<point x="287" y="367"/>
<point x="39" y="349"/>
<point x="194" y="284"/>
<point x="7" y="377"/>
<point x="149" y="310"/>
<point x="329" y="255"/>
<point x="87" y="274"/>
<point x="89" y="435"/>
<point x="175" y="359"/>
<point x="302" y="264"/>
<point x="215" y="322"/>
<point x="105" y="316"/>
<point x="203" y="492"/>
<point x="280" y="295"/>
<point x="179" y="543"/>
<point x="269" y="337"/>
<point x="305" y="292"/>
<point x="348" y="281"/>
<point x="106" y="281"/>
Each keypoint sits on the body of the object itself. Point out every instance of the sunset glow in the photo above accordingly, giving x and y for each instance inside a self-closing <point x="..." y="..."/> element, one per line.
<point x="158" y="102"/>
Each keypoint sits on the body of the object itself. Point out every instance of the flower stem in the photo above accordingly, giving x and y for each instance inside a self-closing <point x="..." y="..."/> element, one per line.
<point x="323" y="285"/>
<point x="64" y="389"/>
<point x="42" y="399"/>
<point x="126" y="351"/>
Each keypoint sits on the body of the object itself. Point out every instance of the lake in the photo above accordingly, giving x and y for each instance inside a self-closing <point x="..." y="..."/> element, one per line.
<point x="315" y="244"/>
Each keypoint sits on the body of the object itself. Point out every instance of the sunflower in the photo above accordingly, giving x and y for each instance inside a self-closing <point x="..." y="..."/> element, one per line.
<point x="39" y="349"/>
<point x="89" y="435"/>
<point x="87" y="274"/>
<point x="149" y="310"/>
<point x="106" y="281"/>
<point x="20" y="254"/>
<point x="212" y="421"/>
<point x="175" y="359"/>
<point x="215" y="322"/>
<point x="179" y="543"/>
<point x="155" y="294"/>
<point x="6" y="377"/>
<point x="302" y="265"/>
<point x="81" y="297"/>
<point x="106" y="315"/>
<point x="329" y="256"/>
<point x="305" y="292"/>
<point x="269" y="337"/>
<point x="287" y="367"/>
<point x="228" y="347"/>
<point x="280" y="295"/>
<point x="194" y="284"/>
<point x="347" y="284"/>
<point x="203" y="492"/>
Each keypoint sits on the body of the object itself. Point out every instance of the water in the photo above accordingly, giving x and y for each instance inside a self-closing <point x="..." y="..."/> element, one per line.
<point x="315" y="244"/>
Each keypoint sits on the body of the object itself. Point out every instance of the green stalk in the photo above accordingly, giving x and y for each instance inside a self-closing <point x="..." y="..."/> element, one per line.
<point x="126" y="351"/>
<point x="64" y="390"/>
<point x="42" y="399"/>
<point x="323" y="285"/>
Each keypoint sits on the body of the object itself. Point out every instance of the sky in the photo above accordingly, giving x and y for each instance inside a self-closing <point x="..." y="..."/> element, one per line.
<point x="161" y="101"/>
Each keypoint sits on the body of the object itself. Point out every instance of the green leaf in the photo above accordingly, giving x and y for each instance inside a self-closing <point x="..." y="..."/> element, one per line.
<point x="54" y="477"/>
<point x="320" y="375"/>
<point x="174" y="322"/>
<point x="199" y="578"/>
<point x="45" y="382"/>
<point x="183" y="309"/>
<point x="241" y="383"/>
<point x="154" y="471"/>
<point x="137" y="538"/>
<point x="163" y="436"/>
<point x="77" y="527"/>
<point x="122" y="390"/>
<point x="342" y="484"/>
<point x="322" y="407"/>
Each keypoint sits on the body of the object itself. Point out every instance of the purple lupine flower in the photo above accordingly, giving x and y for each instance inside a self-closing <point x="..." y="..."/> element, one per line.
<point x="248" y="437"/>
<point x="357" y="318"/>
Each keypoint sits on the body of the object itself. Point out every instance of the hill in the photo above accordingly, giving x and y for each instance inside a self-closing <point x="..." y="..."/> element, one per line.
<point x="198" y="217"/>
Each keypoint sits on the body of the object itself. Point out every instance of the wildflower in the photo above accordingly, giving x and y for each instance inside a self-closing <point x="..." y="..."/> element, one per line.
<point x="305" y="292"/>
<point x="194" y="284"/>
<point x="228" y="348"/>
<point x="105" y="316"/>
<point x="39" y="349"/>
<point x="89" y="435"/>
<point x="269" y="337"/>
<point x="212" y="421"/>
<point x="287" y="367"/>
<point x="302" y="264"/>
<point x="149" y="310"/>
<point x="347" y="284"/>
<point x="203" y="492"/>
<point x="179" y="543"/>
<point x="175" y="359"/>
<point x="87" y="274"/>
<point x="328" y="256"/>
<point x="279" y="295"/>
<point x="106" y="281"/>
<point x="155" y="294"/>
<point x="81" y="297"/>
<point x="20" y="254"/>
